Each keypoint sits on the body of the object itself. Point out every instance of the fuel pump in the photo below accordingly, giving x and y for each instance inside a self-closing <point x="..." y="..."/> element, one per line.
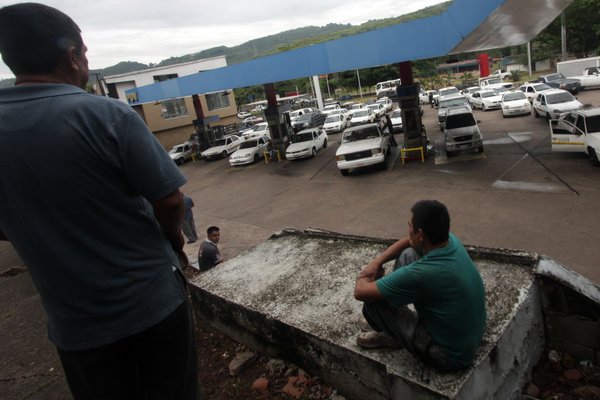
<point x="279" y="125"/>
<point x="415" y="135"/>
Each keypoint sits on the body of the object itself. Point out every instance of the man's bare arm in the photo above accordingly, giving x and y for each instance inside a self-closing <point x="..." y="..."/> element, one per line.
<point x="3" y="236"/>
<point x="169" y="214"/>
<point x="365" y="289"/>
<point x="374" y="269"/>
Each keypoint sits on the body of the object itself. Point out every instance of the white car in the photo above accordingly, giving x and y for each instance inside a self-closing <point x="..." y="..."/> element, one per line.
<point x="181" y="153"/>
<point x="306" y="143"/>
<point x="297" y="113"/>
<point x="378" y="109"/>
<point x="387" y="104"/>
<point x="515" y="103"/>
<point x="396" y="118"/>
<point x="445" y="92"/>
<point x="362" y="116"/>
<point x="222" y="147"/>
<point x="253" y="119"/>
<point x="330" y="107"/>
<point x="258" y="130"/>
<point x="362" y="146"/>
<point x="553" y="102"/>
<point x="468" y="92"/>
<point x="250" y="151"/>
<point x="486" y="100"/>
<point x="243" y="114"/>
<point x="532" y="89"/>
<point x="357" y="106"/>
<point x="335" y="123"/>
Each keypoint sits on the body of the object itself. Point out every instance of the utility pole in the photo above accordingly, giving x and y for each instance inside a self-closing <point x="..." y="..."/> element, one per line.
<point x="359" y="87"/>
<point x="99" y="82"/>
<point x="563" y="35"/>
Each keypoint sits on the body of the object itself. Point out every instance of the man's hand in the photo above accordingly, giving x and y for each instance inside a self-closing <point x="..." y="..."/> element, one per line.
<point x="169" y="214"/>
<point x="374" y="270"/>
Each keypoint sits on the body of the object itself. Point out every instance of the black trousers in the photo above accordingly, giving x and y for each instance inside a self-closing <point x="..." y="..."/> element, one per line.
<point x="159" y="363"/>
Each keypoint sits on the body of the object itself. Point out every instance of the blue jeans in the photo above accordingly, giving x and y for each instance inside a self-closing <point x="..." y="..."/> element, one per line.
<point x="404" y="325"/>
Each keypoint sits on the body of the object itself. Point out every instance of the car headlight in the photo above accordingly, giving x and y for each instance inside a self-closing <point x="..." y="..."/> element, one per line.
<point x="247" y="155"/>
<point x="341" y="157"/>
<point x="556" y="111"/>
<point x="376" y="151"/>
<point x="506" y="107"/>
<point x="562" y="86"/>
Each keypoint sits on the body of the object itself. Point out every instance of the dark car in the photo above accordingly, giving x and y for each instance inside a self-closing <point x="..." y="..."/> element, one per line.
<point x="314" y="119"/>
<point x="559" y="81"/>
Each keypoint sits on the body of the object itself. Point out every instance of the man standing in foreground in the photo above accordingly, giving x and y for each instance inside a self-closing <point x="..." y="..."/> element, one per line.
<point x="91" y="202"/>
<point x="434" y="273"/>
<point x="209" y="255"/>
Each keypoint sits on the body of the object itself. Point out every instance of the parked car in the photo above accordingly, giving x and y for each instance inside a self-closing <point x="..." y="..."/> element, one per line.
<point x="378" y="110"/>
<point x="515" y="103"/>
<point x="357" y="106"/>
<point x="493" y="83"/>
<point x="335" y="123"/>
<point x="181" y="153"/>
<point x="362" y="146"/>
<point x="309" y="120"/>
<point x="461" y="131"/>
<point x="362" y="116"/>
<point x="396" y="118"/>
<point x="578" y="131"/>
<point x="258" y="130"/>
<point x="551" y="103"/>
<point x="387" y="104"/>
<point x="296" y="113"/>
<point x="306" y="143"/>
<point x="243" y="114"/>
<point x="486" y="100"/>
<point x="455" y="100"/>
<point x="331" y="107"/>
<point x="445" y="92"/>
<point x="590" y="77"/>
<point x="532" y="89"/>
<point x="559" y="81"/>
<point x="222" y="147"/>
<point x="468" y="92"/>
<point x="253" y="119"/>
<point x="250" y="151"/>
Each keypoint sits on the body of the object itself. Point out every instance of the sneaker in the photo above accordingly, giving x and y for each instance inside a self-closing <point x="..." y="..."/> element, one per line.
<point x="363" y="324"/>
<point x="375" y="340"/>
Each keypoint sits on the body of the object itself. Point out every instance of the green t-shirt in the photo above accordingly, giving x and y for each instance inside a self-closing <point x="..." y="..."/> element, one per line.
<point x="447" y="292"/>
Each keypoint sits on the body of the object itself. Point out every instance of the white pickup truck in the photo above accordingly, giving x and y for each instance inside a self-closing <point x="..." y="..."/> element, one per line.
<point x="589" y="78"/>
<point x="493" y="83"/>
<point x="578" y="131"/>
<point x="500" y="73"/>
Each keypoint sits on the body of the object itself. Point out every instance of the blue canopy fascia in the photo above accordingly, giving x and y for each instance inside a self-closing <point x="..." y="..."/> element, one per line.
<point x="419" y="39"/>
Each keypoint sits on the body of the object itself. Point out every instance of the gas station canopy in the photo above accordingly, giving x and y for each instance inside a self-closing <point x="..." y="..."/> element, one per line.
<point x="467" y="25"/>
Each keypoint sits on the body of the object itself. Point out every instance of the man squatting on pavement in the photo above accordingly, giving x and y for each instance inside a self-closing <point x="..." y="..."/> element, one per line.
<point x="91" y="203"/>
<point x="434" y="273"/>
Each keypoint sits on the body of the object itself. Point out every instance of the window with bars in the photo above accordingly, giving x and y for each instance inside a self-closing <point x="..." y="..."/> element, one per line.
<point x="173" y="108"/>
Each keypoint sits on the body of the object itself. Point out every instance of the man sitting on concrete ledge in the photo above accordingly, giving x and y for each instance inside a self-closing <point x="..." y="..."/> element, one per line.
<point x="434" y="273"/>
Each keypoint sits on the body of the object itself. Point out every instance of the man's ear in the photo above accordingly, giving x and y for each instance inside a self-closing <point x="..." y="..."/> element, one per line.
<point x="72" y="58"/>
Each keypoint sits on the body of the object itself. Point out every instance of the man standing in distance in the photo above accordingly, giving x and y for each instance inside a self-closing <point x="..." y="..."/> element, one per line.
<point x="91" y="202"/>
<point x="209" y="255"/>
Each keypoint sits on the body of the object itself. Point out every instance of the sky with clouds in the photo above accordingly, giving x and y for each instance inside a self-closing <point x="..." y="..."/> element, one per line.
<point x="151" y="31"/>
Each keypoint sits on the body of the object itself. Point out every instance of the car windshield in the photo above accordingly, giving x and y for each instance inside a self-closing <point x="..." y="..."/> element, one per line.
<point x="374" y="106"/>
<point x="494" y="81"/>
<point x="248" y="144"/>
<point x="177" y="149"/>
<point x="488" y="94"/>
<point x="361" y="134"/>
<point x="593" y="123"/>
<point x="514" y="96"/>
<point x="361" y="113"/>
<point x="303" y="137"/>
<point x="332" y="118"/>
<point x="220" y="142"/>
<point x="557" y="98"/>
<point x="540" y="87"/>
<point x="397" y="114"/>
<point x="555" y="77"/>
<point x="357" y="106"/>
<point x="294" y="114"/>
<point x="258" y="128"/>
<point x="460" y="121"/>
<point x="452" y="103"/>
<point x="446" y="92"/>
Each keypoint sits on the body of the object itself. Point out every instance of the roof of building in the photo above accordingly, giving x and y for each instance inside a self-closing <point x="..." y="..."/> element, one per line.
<point x="467" y="25"/>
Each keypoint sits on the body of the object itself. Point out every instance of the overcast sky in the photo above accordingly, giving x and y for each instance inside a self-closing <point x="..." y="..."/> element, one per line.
<point x="151" y="31"/>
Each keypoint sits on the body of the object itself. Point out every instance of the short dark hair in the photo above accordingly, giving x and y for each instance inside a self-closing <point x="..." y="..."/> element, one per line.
<point x="433" y="219"/>
<point x="33" y="37"/>
<point x="212" y="229"/>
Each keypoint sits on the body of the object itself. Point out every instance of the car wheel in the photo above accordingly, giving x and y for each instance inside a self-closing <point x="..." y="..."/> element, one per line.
<point x="256" y="158"/>
<point x="450" y="153"/>
<point x="535" y="113"/>
<point x="480" y="149"/>
<point x="313" y="153"/>
<point x="344" y="172"/>
<point x="224" y="153"/>
<point x="548" y="116"/>
<point x="178" y="161"/>
<point x="483" y="108"/>
<point x="593" y="157"/>
<point x="325" y="144"/>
